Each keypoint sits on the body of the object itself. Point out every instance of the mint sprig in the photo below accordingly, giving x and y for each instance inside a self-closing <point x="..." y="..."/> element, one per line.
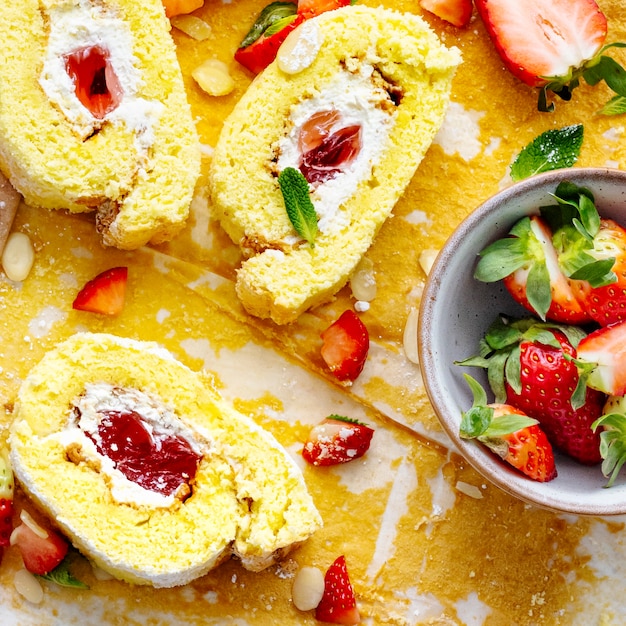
<point x="62" y="576"/>
<point x="551" y="150"/>
<point x="283" y="12"/>
<point x="300" y="209"/>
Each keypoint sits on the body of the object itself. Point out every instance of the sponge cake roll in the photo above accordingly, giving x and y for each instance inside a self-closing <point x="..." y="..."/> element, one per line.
<point x="368" y="93"/>
<point x="94" y="117"/>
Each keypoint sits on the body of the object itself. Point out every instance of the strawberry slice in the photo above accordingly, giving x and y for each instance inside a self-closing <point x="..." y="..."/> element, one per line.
<point x="605" y="350"/>
<point x="457" y="12"/>
<point x="42" y="549"/>
<point x="335" y="440"/>
<point x="104" y="294"/>
<point x="549" y="43"/>
<point x="509" y="433"/>
<point x="345" y="346"/>
<point x="7" y="487"/>
<point x="338" y="604"/>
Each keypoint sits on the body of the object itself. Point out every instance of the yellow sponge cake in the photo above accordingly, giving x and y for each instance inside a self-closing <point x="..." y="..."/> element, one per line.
<point x="147" y="471"/>
<point x="94" y="116"/>
<point x="353" y="102"/>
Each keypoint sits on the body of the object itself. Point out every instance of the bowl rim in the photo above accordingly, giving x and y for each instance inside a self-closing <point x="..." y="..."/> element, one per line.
<point x="487" y="464"/>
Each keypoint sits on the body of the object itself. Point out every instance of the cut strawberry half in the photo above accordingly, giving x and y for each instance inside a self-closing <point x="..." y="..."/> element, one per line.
<point x="456" y="12"/>
<point x="337" y="440"/>
<point x="260" y="45"/>
<point x="604" y="350"/>
<point x="345" y="347"/>
<point x="338" y="604"/>
<point x="550" y="43"/>
<point x="104" y="294"/>
<point x="41" y="548"/>
<point x="508" y="432"/>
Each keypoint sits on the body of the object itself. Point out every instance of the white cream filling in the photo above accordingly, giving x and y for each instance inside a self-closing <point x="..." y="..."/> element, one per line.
<point x="359" y="101"/>
<point x="82" y="24"/>
<point x="158" y="419"/>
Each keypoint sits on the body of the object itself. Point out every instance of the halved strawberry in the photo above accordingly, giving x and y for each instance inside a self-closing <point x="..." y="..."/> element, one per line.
<point x="457" y="12"/>
<point x="41" y="551"/>
<point x="338" y="604"/>
<point x="345" y="346"/>
<point x="527" y="262"/>
<point x="549" y="43"/>
<point x="566" y="264"/>
<point x="105" y="294"/>
<point x="509" y="433"/>
<point x="605" y="350"/>
<point x="337" y="439"/>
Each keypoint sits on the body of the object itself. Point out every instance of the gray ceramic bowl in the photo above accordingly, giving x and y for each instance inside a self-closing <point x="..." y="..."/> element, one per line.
<point x="456" y="311"/>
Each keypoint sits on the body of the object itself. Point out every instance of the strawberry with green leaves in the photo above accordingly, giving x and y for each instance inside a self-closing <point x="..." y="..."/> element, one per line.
<point x="566" y="264"/>
<point x="337" y="439"/>
<point x="509" y="433"/>
<point x="532" y="366"/>
<point x="553" y="44"/>
<point x="612" y="437"/>
<point x="338" y="603"/>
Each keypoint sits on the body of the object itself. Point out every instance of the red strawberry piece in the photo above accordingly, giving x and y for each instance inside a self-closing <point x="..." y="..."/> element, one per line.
<point x="259" y="47"/>
<point x="605" y="351"/>
<point x="457" y="12"/>
<point x="338" y="604"/>
<point x="7" y="488"/>
<point x="528" y="264"/>
<point x="508" y="432"/>
<point x="41" y="554"/>
<point x="104" y="294"/>
<point x="345" y="346"/>
<point x="532" y="367"/>
<point x="335" y="440"/>
<point x="311" y="8"/>
<point x="545" y="42"/>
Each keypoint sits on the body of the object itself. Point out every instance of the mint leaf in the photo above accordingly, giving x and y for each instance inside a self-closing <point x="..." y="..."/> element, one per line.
<point x="272" y="13"/>
<point x="615" y="106"/>
<point x="62" y="576"/>
<point x="553" y="149"/>
<point x="300" y="209"/>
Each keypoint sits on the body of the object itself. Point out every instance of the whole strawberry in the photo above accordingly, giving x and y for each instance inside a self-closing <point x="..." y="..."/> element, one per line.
<point x="531" y="366"/>
<point x="509" y="433"/>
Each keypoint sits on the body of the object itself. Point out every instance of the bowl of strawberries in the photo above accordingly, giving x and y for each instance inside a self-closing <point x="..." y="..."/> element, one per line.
<point x="522" y="340"/>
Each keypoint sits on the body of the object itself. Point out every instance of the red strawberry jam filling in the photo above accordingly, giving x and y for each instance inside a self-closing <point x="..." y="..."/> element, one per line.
<point x="327" y="148"/>
<point x="95" y="82"/>
<point x="155" y="461"/>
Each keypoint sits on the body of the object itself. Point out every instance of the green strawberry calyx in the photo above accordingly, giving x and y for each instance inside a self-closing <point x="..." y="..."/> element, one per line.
<point x="612" y="444"/>
<point x="597" y="69"/>
<point x="478" y="422"/>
